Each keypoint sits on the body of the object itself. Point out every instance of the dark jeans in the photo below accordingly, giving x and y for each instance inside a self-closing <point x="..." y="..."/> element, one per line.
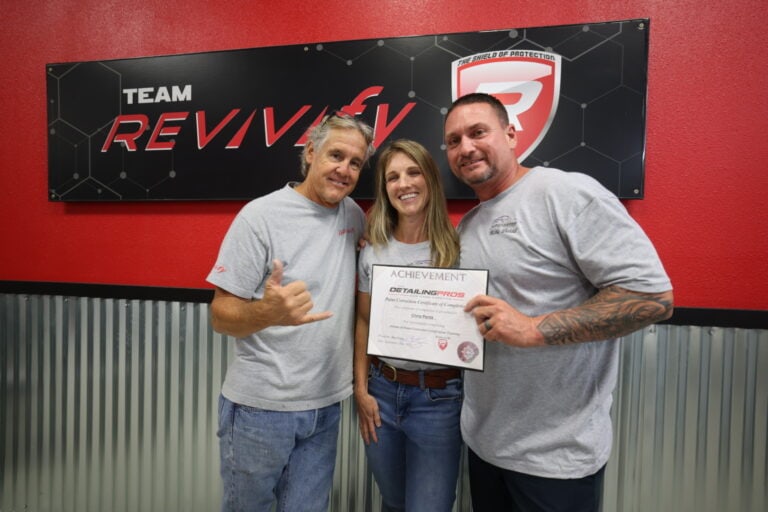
<point x="496" y="489"/>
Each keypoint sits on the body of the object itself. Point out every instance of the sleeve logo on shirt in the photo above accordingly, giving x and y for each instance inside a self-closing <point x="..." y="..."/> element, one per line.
<point x="346" y="231"/>
<point x="219" y="269"/>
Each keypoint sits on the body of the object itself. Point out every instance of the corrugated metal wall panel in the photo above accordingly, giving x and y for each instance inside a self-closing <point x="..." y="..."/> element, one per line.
<point x="690" y="425"/>
<point x="110" y="404"/>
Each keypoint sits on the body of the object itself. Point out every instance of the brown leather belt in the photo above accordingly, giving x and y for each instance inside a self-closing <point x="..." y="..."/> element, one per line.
<point x="432" y="378"/>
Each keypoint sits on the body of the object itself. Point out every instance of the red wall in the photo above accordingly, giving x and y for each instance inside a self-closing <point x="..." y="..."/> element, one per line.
<point x="706" y="182"/>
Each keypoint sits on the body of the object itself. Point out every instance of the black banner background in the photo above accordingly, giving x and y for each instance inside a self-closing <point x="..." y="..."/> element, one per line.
<point x="598" y="129"/>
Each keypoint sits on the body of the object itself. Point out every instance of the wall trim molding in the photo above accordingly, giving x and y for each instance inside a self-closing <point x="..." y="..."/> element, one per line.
<point x="704" y="317"/>
<point x="107" y="291"/>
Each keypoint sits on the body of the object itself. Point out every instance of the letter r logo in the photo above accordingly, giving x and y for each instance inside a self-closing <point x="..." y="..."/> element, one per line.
<point x="529" y="88"/>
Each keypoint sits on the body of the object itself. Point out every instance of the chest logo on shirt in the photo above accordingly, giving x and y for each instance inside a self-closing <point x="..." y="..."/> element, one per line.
<point x="503" y="224"/>
<point x="526" y="82"/>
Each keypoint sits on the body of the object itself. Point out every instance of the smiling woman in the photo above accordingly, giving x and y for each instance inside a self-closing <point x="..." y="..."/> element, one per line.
<point x="402" y="404"/>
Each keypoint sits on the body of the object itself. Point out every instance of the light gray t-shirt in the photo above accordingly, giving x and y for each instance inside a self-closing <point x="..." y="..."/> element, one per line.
<point x="550" y="241"/>
<point x="394" y="253"/>
<point x="293" y="368"/>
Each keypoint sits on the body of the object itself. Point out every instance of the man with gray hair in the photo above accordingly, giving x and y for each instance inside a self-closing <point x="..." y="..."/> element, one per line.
<point x="285" y="285"/>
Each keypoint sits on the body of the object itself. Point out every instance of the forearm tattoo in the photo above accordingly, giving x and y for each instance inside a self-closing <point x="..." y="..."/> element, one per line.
<point x="611" y="313"/>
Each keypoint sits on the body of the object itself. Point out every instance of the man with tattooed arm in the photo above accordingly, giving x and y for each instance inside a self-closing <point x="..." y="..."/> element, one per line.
<point x="570" y="271"/>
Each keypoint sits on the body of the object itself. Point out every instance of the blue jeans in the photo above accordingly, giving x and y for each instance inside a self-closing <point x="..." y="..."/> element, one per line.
<point x="268" y="455"/>
<point x="416" y="461"/>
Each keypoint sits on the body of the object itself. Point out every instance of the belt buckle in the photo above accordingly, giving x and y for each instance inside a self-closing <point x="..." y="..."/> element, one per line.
<point x="394" y="371"/>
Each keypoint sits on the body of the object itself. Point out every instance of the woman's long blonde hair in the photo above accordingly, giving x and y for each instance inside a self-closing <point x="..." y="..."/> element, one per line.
<point x="382" y="216"/>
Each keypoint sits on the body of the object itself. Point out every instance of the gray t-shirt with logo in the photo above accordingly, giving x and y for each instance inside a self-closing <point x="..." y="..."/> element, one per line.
<point x="293" y="368"/>
<point x="550" y="241"/>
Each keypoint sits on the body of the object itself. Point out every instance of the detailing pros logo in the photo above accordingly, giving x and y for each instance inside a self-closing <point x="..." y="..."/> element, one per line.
<point x="527" y="82"/>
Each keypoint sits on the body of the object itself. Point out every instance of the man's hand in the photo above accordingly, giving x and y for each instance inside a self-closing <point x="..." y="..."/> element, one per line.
<point x="498" y="321"/>
<point x="281" y="305"/>
<point x="290" y="304"/>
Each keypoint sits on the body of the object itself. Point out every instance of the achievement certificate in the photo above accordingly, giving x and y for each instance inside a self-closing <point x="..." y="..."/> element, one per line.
<point x="417" y="313"/>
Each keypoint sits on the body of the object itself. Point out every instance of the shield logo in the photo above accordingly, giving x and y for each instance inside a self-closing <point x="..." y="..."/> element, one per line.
<point x="526" y="82"/>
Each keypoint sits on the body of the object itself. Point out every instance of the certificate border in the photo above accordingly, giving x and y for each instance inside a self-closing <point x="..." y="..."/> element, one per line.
<point x="368" y="341"/>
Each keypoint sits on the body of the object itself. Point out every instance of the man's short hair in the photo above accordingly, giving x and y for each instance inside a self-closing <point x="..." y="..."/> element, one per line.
<point x="481" y="97"/>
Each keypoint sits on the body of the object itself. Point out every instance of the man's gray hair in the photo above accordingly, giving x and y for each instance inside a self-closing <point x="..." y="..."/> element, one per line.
<point x="336" y="121"/>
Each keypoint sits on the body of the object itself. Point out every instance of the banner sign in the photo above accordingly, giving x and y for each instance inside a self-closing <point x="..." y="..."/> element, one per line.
<point x="231" y="124"/>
